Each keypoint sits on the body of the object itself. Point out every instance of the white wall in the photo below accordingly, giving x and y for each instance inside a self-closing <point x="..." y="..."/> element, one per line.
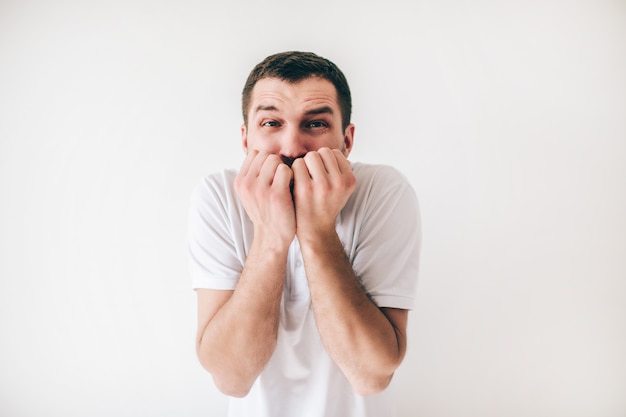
<point x="508" y="117"/>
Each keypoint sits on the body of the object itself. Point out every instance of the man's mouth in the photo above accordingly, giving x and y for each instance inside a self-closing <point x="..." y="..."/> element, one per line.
<point x="289" y="161"/>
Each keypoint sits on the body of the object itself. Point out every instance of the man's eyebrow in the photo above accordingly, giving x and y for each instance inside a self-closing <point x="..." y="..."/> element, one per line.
<point x="317" y="110"/>
<point x="320" y="110"/>
<point x="265" y="107"/>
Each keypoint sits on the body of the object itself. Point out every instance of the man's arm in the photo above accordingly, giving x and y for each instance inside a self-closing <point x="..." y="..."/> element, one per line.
<point x="366" y="342"/>
<point x="237" y="329"/>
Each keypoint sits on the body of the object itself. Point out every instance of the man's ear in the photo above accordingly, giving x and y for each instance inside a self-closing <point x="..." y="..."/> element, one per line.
<point x="348" y="139"/>
<point x="244" y="138"/>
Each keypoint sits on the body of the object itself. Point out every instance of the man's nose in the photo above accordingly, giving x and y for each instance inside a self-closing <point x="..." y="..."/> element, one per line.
<point x="292" y="146"/>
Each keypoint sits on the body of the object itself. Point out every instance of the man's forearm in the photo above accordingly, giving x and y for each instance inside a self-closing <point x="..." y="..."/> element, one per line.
<point x="357" y="335"/>
<point x="238" y="335"/>
<point x="236" y="344"/>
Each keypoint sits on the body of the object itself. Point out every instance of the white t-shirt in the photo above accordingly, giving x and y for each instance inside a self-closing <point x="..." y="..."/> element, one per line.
<point x="380" y="231"/>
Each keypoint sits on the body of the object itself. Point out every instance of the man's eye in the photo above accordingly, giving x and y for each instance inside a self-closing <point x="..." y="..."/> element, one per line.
<point x="317" y="124"/>
<point x="271" y="123"/>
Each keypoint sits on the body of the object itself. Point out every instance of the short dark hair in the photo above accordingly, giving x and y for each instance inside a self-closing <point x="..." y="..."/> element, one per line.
<point x="295" y="66"/>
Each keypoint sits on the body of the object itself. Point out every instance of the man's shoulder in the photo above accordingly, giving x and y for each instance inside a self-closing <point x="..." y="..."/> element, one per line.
<point x="215" y="187"/>
<point x="374" y="175"/>
<point x="224" y="177"/>
<point x="218" y="180"/>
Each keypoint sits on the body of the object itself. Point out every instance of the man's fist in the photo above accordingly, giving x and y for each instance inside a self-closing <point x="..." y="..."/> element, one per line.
<point x="263" y="185"/>
<point x="323" y="182"/>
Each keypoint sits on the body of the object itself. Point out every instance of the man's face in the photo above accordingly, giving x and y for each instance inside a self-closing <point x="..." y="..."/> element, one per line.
<point x="290" y="120"/>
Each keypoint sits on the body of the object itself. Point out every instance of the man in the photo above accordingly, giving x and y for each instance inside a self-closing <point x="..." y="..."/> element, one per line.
<point x="305" y="264"/>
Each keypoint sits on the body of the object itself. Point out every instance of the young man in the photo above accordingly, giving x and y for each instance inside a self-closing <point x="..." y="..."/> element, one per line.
<point x="305" y="264"/>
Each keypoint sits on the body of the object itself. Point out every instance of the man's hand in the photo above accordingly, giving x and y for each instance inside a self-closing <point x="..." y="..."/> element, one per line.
<point x="263" y="187"/>
<point x="367" y="343"/>
<point x="323" y="182"/>
<point x="238" y="330"/>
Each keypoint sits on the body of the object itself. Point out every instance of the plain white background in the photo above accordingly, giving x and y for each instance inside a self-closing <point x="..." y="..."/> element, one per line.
<point x="509" y="118"/>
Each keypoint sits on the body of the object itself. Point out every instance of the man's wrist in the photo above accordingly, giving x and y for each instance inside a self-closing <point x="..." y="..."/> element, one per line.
<point x="272" y="241"/>
<point x="316" y="236"/>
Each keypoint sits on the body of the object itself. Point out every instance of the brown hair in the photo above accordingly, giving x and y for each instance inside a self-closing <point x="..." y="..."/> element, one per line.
<point x="294" y="66"/>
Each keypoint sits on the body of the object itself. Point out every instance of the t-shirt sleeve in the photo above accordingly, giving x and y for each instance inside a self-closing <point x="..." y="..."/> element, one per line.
<point x="387" y="255"/>
<point x="214" y="257"/>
